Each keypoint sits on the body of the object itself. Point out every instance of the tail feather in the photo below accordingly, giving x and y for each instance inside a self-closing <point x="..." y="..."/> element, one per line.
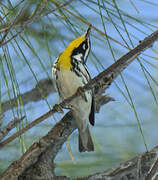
<point x="85" y="141"/>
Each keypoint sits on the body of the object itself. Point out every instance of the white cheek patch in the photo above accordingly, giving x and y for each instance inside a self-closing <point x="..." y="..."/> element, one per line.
<point x="78" y="57"/>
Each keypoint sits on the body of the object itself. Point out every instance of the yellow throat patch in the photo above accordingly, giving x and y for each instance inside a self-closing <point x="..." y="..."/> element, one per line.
<point x="64" y="60"/>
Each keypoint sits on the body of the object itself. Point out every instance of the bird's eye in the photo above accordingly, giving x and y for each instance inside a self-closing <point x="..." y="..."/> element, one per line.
<point x="84" y="46"/>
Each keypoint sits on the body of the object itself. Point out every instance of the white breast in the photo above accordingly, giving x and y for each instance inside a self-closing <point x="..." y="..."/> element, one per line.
<point x="69" y="82"/>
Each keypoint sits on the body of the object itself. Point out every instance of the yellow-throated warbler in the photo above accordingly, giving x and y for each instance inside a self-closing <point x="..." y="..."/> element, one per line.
<point x="70" y="72"/>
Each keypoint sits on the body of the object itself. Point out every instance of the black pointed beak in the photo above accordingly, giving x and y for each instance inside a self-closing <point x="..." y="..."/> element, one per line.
<point x="88" y="31"/>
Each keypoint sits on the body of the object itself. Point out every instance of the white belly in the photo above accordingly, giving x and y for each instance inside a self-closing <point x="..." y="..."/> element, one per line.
<point x="70" y="83"/>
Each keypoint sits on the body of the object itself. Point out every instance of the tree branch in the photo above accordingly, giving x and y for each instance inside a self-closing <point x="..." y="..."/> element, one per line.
<point x="43" y="151"/>
<point x="4" y="132"/>
<point x="44" y="85"/>
<point x="37" y="162"/>
<point x="141" y="167"/>
<point x="100" y="100"/>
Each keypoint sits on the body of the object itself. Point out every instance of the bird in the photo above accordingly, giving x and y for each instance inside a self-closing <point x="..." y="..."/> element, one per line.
<point x="70" y="73"/>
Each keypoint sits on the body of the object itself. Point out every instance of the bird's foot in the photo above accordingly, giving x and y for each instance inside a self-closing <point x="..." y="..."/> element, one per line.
<point x="58" y="108"/>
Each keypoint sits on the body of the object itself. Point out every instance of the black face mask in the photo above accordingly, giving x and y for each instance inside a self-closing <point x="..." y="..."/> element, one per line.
<point x="83" y="49"/>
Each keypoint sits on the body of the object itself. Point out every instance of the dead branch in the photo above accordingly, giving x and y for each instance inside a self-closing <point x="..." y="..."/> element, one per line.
<point x="4" y="132"/>
<point x="43" y="151"/>
<point x="34" y="95"/>
<point x="141" y="167"/>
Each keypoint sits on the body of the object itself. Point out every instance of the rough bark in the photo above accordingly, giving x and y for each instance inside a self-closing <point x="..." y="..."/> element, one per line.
<point x="141" y="167"/>
<point x="12" y="124"/>
<point x="37" y="161"/>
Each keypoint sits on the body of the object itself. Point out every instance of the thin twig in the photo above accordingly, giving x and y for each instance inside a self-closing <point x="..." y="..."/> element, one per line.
<point x="9" y="127"/>
<point x="151" y="169"/>
<point x="29" y="126"/>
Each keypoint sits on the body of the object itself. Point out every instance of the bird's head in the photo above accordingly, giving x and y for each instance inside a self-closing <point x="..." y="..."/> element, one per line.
<point x="81" y="47"/>
<point x="77" y="50"/>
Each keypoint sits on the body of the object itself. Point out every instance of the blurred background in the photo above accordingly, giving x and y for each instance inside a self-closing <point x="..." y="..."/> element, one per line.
<point x="124" y="127"/>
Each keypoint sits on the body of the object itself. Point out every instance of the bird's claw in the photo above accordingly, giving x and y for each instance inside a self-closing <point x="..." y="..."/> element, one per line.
<point x="58" y="108"/>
